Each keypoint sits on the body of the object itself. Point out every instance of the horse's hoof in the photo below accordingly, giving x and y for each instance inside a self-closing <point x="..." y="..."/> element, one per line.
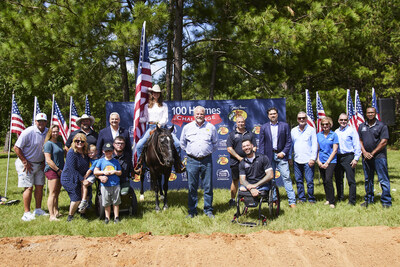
<point x="141" y="198"/>
<point x="161" y="197"/>
<point x="157" y="209"/>
<point x="165" y="207"/>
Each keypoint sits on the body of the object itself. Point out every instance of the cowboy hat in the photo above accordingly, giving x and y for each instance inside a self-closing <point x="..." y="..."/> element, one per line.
<point x="156" y="88"/>
<point x="83" y="117"/>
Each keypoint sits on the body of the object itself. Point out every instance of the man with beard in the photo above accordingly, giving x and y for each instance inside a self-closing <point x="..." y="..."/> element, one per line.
<point x="374" y="136"/>
<point x="85" y="123"/>
<point x="30" y="165"/>
<point x="255" y="171"/>
<point x="108" y="134"/>
<point x="234" y="147"/>
<point x="123" y="158"/>
<point x="199" y="139"/>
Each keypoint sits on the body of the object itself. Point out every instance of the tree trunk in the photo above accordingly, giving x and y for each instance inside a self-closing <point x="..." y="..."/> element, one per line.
<point x="213" y="74"/>
<point x="170" y="37"/>
<point x="178" y="33"/>
<point x="124" y="76"/>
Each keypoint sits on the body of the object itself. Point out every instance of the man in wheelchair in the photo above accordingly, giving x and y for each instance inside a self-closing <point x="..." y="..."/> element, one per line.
<point x="256" y="186"/>
<point x="255" y="171"/>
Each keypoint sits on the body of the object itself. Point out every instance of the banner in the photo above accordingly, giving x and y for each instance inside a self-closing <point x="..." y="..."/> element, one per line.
<point x="221" y="113"/>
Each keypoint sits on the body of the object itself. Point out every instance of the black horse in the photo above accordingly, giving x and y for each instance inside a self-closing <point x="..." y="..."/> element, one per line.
<point x="159" y="158"/>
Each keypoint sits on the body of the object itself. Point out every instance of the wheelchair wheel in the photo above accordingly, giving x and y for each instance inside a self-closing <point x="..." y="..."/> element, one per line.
<point x="134" y="205"/>
<point x="99" y="207"/>
<point x="274" y="201"/>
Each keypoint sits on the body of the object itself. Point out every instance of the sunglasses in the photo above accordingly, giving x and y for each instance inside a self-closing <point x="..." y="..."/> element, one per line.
<point x="120" y="144"/>
<point x="325" y="124"/>
<point x="301" y="118"/>
<point x="342" y="119"/>
<point x="79" y="141"/>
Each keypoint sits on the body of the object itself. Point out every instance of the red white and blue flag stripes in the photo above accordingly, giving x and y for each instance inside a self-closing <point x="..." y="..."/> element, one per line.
<point x="73" y="116"/>
<point x="36" y="110"/>
<point x="320" y="112"/>
<point x="375" y="104"/>
<point x="17" y="123"/>
<point x="359" y="112"/>
<point x="58" y="119"/>
<point x="309" y="110"/>
<point x="350" y="110"/>
<point x="143" y="82"/>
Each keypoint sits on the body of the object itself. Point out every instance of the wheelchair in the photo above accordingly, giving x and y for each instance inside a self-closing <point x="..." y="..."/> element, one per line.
<point x="245" y="200"/>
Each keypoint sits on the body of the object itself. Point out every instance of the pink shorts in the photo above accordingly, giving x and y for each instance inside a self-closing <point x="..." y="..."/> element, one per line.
<point x="51" y="175"/>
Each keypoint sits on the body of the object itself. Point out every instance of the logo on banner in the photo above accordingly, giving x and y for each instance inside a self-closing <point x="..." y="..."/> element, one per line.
<point x="172" y="177"/>
<point x="181" y="119"/>
<point x="221" y="145"/>
<point x="222" y="175"/>
<point x="222" y="160"/>
<point x="236" y="112"/>
<point x="223" y="130"/>
<point x="256" y="129"/>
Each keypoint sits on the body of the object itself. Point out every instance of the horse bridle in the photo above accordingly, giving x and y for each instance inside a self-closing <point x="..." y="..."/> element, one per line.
<point x="155" y="152"/>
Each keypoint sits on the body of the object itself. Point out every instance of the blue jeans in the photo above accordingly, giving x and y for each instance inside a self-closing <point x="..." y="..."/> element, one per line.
<point x="197" y="170"/>
<point x="143" y="139"/>
<point x="380" y="166"/>
<point x="283" y="167"/>
<point x="305" y="170"/>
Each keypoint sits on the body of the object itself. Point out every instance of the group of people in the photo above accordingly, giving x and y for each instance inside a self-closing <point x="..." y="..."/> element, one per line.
<point x="107" y="157"/>
<point x="335" y="153"/>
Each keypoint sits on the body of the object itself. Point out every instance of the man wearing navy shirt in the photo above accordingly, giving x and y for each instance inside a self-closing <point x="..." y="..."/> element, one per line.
<point x="374" y="136"/>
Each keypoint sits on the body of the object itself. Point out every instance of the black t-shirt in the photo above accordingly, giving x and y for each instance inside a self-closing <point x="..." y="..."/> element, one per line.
<point x="91" y="137"/>
<point x="235" y="141"/>
<point x="126" y="166"/>
<point x="254" y="170"/>
<point x="372" y="136"/>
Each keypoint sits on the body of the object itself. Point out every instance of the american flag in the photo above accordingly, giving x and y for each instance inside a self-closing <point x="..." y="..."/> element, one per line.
<point x="320" y="113"/>
<point x="350" y="110"/>
<point x="58" y="119"/>
<point x="359" y="112"/>
<point x="87" y="107"/>
<point x="36" y="110"/>
<point x="375" y="104"/>
<point x="143" y="82"/>
<point x="17" y="123"/>
<point x="309" y="110"/>
<point x="73" y="116"/>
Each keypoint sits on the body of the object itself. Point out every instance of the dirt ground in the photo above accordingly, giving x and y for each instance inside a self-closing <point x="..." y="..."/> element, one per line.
<point x="359" y="246"/>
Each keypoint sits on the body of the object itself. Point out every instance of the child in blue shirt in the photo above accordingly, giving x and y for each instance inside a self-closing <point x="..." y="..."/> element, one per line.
<point x="107" y="170"/>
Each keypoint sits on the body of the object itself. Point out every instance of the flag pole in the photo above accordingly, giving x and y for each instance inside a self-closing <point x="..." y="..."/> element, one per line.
<point x="9" y="148"/>
<point x="51" y="122"/>
<point x="70" y="113"/>
<point x="34" y="110"/>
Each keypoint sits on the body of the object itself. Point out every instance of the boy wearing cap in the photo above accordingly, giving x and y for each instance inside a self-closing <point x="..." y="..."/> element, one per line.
<point x="107" y="170"/>
<point x="30" y="165"/>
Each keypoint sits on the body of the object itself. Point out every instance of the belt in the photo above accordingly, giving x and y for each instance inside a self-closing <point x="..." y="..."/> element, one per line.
<point x="198" y="158"/>
<point x="346" y="154"/>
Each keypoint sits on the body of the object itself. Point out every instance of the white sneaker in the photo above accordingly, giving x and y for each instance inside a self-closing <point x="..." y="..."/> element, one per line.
<point x="28" y="216"/>
<point x="40" y="212"/>
<point x="83" y="205"/>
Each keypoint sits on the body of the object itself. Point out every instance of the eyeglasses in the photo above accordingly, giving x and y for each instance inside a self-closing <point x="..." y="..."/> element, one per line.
<point x="301" y="118"/>
<point x="325" y="124"/>
<point x="120" y="144"/>
<point x="342" y="119"/>
<point x="79" y="141"/>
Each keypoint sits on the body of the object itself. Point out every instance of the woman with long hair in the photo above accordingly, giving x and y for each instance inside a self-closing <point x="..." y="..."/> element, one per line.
<point x="328" y="143"/>
<point x="76" y="166"/>
<point x="54" y="163"/>
<point x="156" y="114"/>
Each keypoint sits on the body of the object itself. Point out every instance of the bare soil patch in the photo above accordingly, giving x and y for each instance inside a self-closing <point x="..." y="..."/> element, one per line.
<point x="358" y="246"/>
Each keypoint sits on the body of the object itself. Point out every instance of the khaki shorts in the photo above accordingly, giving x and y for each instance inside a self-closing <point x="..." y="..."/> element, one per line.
<point x="110" y="195"/>
<point x="36" y="177"/>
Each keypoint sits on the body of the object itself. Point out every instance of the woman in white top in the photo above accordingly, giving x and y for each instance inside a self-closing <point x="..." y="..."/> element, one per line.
<point x="156" y="113"/>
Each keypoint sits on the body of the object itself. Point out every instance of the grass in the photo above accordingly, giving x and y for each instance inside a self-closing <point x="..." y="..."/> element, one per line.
<point x="173" y="221"/>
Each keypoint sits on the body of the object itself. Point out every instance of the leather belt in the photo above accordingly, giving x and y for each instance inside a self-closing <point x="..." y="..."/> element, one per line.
<point x="198" y="158"/>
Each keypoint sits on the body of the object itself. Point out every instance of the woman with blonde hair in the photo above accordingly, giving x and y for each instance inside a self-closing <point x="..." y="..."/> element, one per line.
<point x="54" y="163"/>
<point x="328" y="143"/>
<point x="76" y="166"/>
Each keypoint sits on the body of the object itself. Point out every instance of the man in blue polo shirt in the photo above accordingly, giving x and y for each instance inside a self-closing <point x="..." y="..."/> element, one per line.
<point x="348" y="155"/>
<point x="255" y="170"/>
<point x="374" y="136"/>
<point x="234" y="147"/>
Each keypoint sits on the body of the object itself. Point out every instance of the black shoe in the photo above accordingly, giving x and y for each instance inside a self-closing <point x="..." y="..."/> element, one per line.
<point x="70" y="218"/>
<point x="84" y="216"/>
<point x="232" y="203"/>
<point x="106" y="220"/>
<point x="351" y="204"/>
<point x="386" y="206"/>
<point x="116" y="220"/>
<point x="191" y="216"/>
<point x="364" y="204"/>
